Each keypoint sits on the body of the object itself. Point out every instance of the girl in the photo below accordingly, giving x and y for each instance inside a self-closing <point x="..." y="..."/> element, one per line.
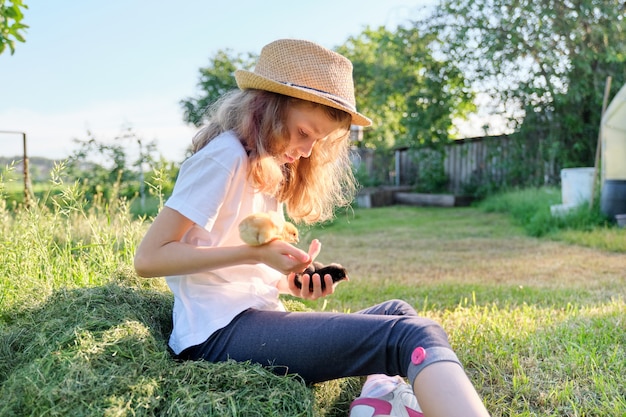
<point x="278" y="143"/>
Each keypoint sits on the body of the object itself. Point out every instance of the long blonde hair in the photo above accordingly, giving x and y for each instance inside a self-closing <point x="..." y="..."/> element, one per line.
<point x="310" y="187"/>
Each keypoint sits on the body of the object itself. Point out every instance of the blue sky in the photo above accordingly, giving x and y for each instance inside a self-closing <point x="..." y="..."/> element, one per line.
<point x="104" y="65"/>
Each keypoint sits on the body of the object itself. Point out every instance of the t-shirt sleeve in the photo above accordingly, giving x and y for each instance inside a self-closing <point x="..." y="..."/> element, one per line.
<point x="202" y="184"/>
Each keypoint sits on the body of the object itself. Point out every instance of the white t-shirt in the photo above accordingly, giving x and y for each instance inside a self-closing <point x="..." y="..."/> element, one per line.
<point x="212" y="190"/>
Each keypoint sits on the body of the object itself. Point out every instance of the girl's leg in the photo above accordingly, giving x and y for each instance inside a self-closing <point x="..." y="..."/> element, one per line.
<point x="443" y="389"/>
<point x="379" y="387"/>
<point x="324" y="346"/>
<point x="390" y="308"/>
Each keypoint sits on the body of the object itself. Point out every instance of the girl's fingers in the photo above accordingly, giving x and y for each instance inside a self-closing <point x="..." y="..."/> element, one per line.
<point x="314" y="249"/>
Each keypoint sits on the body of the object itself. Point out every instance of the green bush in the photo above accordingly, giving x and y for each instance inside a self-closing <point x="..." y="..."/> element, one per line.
<point x="530" y="208"/>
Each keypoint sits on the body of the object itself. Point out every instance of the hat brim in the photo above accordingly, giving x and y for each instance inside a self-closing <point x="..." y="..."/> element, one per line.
<point x="250" y="80"/>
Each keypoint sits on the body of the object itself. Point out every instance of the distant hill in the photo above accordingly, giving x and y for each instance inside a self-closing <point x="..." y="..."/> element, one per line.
<point x="39" y="167"/>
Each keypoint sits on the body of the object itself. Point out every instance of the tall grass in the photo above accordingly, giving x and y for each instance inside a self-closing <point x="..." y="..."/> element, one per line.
<point x="80" y="334"/>
<point x="530" y="208"/>
<point x="63" y="241"/>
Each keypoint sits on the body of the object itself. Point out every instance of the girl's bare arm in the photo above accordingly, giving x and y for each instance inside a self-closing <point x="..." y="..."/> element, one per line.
<point x="162" y="253"/>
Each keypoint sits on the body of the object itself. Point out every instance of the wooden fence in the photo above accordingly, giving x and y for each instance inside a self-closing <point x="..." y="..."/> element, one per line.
<point x="463" y="166"/>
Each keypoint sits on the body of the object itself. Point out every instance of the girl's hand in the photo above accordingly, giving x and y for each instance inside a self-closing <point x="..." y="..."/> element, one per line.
<point x="284" y="257"/>
<point x="306" y="279"/>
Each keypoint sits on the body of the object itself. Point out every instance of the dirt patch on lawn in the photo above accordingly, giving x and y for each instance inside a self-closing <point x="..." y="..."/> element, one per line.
<point x="513" y="261"/>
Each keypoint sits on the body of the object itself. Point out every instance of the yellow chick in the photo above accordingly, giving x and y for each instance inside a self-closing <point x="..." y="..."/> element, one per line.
<point x="290" y="233"/>
<point x="261" y="228"/>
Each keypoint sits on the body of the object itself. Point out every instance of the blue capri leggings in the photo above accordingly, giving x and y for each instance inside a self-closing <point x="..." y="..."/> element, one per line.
<point x="388" y="338"/>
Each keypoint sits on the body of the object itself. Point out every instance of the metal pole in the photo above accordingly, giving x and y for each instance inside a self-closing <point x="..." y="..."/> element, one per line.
<point x="607" y="90"/>
<point x="27" y="191"/>
<point x="26" y="170"/>
<point x="398" y="167"/>
<point x="142" y="185"/>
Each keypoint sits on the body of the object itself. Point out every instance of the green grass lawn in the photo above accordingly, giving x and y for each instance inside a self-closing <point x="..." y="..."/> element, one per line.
<point x="537" y="322"/>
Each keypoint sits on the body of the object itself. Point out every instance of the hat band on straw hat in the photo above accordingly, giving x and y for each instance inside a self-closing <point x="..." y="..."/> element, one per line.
<point x="328" y="95"/>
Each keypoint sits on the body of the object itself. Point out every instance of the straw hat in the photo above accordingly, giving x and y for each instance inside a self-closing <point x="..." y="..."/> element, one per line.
<point x="304" y="70"/>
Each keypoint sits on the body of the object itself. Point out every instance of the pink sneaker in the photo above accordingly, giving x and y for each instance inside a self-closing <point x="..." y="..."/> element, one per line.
<point x="400" y="402"/>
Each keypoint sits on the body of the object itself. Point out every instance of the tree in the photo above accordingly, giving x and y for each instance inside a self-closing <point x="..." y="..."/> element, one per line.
<point x="11" y="26"/>
<point x="411" y="97"/>
<point x="103" y="166"/>
<point x="215" y="80"/>
<point x="544" y="60"/>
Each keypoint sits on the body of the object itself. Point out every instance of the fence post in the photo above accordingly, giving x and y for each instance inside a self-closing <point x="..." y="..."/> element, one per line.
<point x="27" y="191"/>
<point x="605" y="100"/>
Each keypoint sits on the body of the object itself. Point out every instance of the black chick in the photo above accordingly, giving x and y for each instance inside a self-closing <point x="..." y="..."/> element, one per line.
<point x="336" y="271"/>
